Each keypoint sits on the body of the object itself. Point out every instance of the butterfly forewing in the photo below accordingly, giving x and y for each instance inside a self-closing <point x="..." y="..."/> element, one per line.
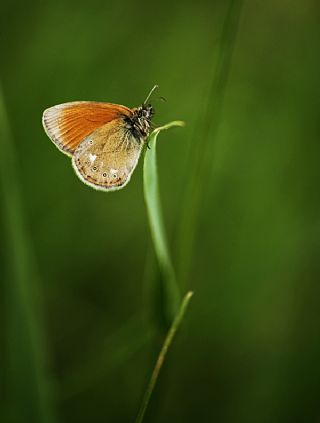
<point x="106" y="158"/>
<point x="68" y="124"/>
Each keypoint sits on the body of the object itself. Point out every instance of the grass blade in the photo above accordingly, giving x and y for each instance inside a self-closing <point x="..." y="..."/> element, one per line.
<point x="204" y="152"/>
<point x="162" y="355"/>
<point x="27" y="384"/>
<point x="152" y="198"/>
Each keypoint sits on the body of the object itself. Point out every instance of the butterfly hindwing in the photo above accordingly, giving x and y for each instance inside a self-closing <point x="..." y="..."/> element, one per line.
<point x="106" y="158"/>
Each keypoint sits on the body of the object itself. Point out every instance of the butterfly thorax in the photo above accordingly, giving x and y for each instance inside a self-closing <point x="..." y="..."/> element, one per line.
<point x="140" y="121"/>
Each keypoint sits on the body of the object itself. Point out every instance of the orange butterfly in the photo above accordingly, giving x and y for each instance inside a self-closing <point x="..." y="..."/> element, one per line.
<point x="105" y="140"/>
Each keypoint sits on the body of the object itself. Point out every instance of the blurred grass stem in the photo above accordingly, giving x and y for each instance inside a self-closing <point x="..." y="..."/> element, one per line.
<point x="205" y="143"/>
<point x="27" y="381"/>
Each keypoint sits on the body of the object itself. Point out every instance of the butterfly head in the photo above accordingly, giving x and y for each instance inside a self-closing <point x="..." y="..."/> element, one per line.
<point x="141" y="120"/>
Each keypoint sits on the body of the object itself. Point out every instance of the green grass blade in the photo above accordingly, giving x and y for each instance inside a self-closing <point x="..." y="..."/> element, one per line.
<point x="27" y="382"/>
<point x="162" y="355"/>
<point x="206" y="138"/>
<point x="152" y="198"/>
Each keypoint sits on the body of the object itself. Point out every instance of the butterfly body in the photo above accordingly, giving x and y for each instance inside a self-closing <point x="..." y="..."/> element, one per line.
<point x="105" y="140"/>
<point x="140" y="121"/>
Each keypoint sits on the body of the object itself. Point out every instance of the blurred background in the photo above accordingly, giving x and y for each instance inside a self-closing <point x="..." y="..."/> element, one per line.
<point x="81" y="323"/>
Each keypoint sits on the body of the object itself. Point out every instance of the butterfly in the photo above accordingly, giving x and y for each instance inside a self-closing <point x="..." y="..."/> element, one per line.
<point x="104" y="140"/>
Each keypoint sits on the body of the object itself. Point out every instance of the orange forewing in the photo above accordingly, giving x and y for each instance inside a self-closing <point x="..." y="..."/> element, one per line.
<point x="69" y="123"/>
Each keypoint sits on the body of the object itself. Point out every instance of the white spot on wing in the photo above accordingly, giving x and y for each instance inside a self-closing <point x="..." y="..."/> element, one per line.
<point x="92" y="157"/>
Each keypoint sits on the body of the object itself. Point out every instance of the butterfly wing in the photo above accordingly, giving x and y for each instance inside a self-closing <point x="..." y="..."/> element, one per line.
<point x="69" y="123"/>
<point x="106" y="158"/>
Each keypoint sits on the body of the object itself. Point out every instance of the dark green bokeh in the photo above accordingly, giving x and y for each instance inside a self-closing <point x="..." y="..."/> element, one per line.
<point x="249" y="347"/>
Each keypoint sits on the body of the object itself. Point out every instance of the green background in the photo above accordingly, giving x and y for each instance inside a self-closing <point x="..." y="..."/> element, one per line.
<point x="81" y="321"/>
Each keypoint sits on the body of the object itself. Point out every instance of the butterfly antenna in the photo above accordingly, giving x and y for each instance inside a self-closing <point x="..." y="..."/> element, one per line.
<point x="150" y="93"/>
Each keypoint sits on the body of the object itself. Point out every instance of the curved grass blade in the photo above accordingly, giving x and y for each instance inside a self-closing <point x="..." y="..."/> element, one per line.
<point x="162" y="355"/>
<point x="152" y="198"/>
<point x="27" y="382"/>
